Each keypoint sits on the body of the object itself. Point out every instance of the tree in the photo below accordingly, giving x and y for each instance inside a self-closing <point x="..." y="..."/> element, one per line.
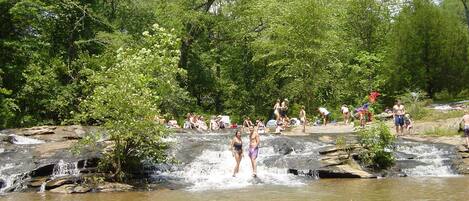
<point x="428" y="49"/>
<point x="126" y="99"/>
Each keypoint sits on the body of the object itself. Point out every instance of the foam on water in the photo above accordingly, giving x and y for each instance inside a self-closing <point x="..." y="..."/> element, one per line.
<point x="213" y="169"/>
<point x="434" y="158"/>
<point x="11" y="181"/>
<point x="24" y="140"/>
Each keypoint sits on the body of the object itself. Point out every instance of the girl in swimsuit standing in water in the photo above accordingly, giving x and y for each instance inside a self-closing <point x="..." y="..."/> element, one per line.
<point x="254" y="149"/>
<point x="236" y="146"/>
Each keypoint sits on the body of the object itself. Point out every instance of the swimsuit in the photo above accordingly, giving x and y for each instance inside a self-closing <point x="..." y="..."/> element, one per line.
<point x="399" y="120"/>
<point x="253" y="152"/>
<point x="238" y="147"/>
<point x="466" y="130"/>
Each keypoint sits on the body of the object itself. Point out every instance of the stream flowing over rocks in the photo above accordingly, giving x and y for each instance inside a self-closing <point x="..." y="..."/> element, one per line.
<point x="40" y="159"/>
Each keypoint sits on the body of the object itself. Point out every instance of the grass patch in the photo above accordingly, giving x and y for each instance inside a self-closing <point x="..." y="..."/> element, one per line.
<point x="433" y="115"/>
<point x="441" y="132"/>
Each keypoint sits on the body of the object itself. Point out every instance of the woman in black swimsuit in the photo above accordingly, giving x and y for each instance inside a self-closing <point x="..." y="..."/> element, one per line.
<point x="236" y="147"/>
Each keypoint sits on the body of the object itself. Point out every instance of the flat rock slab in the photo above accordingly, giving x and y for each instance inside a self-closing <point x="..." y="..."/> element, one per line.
<point x="40" y="130"/>
<point x="71" y="188"/>
<point x="114" y="187"/>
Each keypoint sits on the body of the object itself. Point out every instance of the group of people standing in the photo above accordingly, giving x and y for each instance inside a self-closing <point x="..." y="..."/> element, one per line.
<point x="280" y="113"/>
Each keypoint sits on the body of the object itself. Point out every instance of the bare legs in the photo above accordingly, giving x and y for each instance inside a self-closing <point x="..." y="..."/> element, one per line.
<point x="346" y="118"/>
<point x="238" y="157"/>
<point x="254" y="166"/>
<point x="467" y="141"/>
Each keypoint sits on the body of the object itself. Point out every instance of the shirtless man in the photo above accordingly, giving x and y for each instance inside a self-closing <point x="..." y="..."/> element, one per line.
<point x="254" y="149"/>
<point x="465" y="119"/>
<point x="398" y="114"/>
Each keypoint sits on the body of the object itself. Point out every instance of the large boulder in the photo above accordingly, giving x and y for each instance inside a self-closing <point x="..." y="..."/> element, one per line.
<point x="343" y="171"/>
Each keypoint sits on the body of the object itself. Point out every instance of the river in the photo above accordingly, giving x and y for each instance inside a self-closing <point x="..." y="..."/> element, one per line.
<point x="431" y="188"/>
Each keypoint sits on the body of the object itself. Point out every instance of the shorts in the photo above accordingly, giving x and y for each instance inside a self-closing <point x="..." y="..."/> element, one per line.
<point x="399" y="120"/>
<point x="466" y="130"/>
<point x="253" y="152"/>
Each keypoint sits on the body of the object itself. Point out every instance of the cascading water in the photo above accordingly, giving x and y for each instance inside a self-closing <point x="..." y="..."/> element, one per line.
<point x="208" y="164"/>
<point x="11" y="181"/>
<point x="16" y="139"/>
<point x="65" y="169"/>
<point x="213" y="167"/>
<point x="430" y="159"/>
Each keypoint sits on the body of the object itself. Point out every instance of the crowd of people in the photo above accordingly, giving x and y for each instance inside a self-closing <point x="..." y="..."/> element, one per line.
<point x="403" y="124"/>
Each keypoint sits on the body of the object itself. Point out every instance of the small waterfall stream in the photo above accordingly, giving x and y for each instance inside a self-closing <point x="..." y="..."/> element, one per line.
<point x="209" y="165"/>
<point x="427" y="159"/>
<point x="206" y="163"/>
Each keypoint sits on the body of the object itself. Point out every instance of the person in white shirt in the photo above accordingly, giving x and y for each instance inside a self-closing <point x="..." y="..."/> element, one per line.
<point x="345" y="113"/>
<point x="325" y="114"/>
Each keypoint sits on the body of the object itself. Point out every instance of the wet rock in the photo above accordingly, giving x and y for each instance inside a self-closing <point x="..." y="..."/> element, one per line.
<point x="40" y="130"/>
<point x="285" y="146"/>
<point x="37" y="182"/>
<point x="42" y="171"/>
<point x="326" y="139"/>
<point x="343" y="171"/>
<point x="114" y="187"/>
<point x="71" y="188"/>
<point x="60" y="181"/>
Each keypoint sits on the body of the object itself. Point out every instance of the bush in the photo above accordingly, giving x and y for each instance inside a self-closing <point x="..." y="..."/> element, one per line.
<point x="378" y="144"/>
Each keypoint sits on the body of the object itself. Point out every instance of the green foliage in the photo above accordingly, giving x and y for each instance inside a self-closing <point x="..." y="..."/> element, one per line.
<point x="415" y="104"/>
<point x="428" y="49"/>
<point x="239" y="56"/>
<point x="378" y="144"/>
<point x="126" y="99"/>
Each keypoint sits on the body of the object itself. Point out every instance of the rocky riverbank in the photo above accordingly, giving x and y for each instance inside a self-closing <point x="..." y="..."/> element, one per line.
<point x="41" y="158"/>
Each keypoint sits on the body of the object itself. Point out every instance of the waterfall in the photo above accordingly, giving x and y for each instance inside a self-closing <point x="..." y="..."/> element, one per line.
<point x="213" y="167"/>
<point x="16" y="139"/>
<point x="65" y="169"/>
<point x="9" y="182"/>
<point x="432" y="160"/>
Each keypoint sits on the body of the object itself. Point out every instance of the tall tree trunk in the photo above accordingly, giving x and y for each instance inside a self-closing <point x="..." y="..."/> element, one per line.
<point x="466" y="11"/>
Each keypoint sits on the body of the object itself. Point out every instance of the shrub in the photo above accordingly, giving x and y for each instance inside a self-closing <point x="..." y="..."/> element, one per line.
<point x="378" y="144"/>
